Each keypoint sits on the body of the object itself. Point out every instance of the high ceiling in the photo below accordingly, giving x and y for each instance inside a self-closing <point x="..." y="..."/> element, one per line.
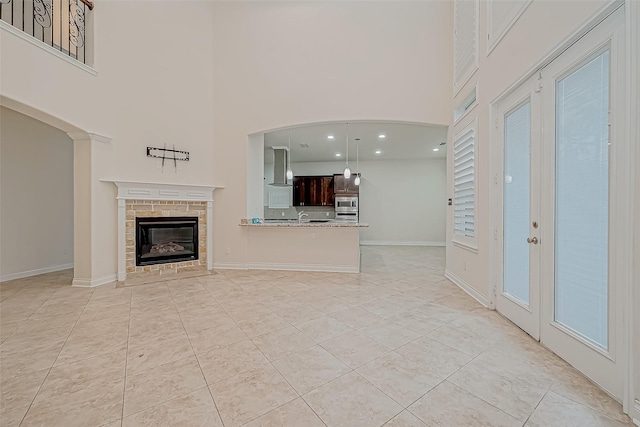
<point x="401" y="141"/>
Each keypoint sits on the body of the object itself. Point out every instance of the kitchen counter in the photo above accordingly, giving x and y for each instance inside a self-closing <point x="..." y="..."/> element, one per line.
<point x="312" y="223"/>
<point x="307" y="246"/>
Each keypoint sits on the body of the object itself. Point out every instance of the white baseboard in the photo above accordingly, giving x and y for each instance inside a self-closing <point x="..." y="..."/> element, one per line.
<point x="399" y="243"/>
<point x="636" y="416"/>
<point x="303" y="267"/>
<point x="91" y="283"/>
<point x="36" y="272"/>
<point x="230" y="266"/>
<point x="286" y="267"/>
<point x="467" y="288"/>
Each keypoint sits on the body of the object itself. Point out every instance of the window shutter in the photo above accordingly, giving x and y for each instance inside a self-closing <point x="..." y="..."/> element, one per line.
<point x="464" y="183"/>
<point x="465" y="41"/>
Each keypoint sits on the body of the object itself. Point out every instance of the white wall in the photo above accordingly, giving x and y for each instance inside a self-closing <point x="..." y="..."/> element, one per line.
<point x="403" y="201"/>
<point x="522" y="48"/>
<point x="36" y="197"/>
<point x="633" y="31"/>
<point x="279" y="64"/>
<point x="154" y="85"/>
<point x="205" y="75"/>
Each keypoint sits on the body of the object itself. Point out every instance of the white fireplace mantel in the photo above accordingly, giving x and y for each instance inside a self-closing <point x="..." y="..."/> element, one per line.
<point x="134" y="190"/>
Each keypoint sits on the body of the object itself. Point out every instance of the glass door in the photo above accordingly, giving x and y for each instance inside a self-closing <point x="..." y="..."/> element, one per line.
<point x="518" y="297"/>
<point x="558" y="183"/>
<point x="579" y="319"/>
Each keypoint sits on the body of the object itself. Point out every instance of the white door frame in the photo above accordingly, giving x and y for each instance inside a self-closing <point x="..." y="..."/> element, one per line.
<point x="632" y="37"/>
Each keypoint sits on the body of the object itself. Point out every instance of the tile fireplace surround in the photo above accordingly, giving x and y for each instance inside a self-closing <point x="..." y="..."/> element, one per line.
<point x="140" y="199"/>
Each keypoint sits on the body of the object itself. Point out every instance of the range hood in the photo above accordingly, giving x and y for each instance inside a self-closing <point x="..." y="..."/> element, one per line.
<point x="280" y="167"/>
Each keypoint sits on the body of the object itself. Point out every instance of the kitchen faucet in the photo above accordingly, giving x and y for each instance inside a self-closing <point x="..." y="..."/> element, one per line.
<point x="301" y="214"/>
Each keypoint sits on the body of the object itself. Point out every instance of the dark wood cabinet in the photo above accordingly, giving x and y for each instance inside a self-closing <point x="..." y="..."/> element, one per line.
<point x="313" y="191"/>
<point x="299" y="191"/>
<point x="327" y="191"/>
<point x="341" y="185"/>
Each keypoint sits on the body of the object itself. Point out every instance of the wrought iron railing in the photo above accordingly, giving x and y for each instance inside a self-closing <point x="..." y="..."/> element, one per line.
<point x="61" y="24"/>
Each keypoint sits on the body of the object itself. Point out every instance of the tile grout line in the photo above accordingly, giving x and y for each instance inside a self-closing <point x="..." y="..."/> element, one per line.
<point x="126" y="359"/>
<point x="23" y="321"/>
<point x="582" y="404"/>
<point x="536" y="407"/>
<point x="206" y="384"/>
<point x="253" y="294"/>
<point x="271" y="363"/>
<point x="54" y="361"/>
<point x="463" y="388"/>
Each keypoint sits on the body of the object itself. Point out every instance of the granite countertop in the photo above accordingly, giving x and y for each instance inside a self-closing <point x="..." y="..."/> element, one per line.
<point x="295" y="223"/>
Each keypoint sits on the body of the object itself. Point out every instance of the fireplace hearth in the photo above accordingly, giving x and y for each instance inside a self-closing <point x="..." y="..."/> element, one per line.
<point x="161" y="240"/>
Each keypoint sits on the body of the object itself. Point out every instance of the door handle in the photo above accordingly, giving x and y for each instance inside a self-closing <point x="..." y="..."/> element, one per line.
<point x="533" y="240"/>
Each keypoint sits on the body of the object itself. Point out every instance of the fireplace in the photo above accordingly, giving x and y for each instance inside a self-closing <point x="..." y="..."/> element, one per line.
<point x="161" y="240"/>
<point x="140" y="201"/>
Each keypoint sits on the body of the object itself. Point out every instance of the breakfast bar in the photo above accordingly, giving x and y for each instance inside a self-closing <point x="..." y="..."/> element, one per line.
<point x="332" y="246"/>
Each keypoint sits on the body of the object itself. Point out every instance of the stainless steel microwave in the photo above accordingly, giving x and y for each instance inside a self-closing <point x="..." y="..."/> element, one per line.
<point x="346" y="204"/>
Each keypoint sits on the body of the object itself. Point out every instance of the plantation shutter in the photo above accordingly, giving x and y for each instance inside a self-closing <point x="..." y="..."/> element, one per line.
<point x="464" y="184"/>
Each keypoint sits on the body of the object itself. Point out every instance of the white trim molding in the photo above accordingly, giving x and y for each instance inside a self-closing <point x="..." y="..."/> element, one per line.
<point x="135" y="190"/>
<point x="632" y="38"/>
<point x="467" y="288"/>
<point x="79" y="136"/>
<point x="36" y="272"/>
<point x="400" y="243"/>
<point x="92" y="283"/>
<point x="302" y="267"/>
<point x="494" y="39"/>
<point x="230" y="266"/>
<point x="462" y="77"/>
<point x="285" y="267"/>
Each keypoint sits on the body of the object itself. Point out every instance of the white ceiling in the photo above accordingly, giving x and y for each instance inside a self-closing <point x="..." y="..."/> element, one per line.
<point x="402" y="141"/>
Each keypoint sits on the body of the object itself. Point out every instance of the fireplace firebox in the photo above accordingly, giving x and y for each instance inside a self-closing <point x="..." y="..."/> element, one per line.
<point x="161" y="240"/>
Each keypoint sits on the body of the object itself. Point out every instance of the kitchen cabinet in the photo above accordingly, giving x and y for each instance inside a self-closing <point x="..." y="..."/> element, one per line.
<point x="341" y="185"/>
<point x="313" y="191"/>
<point x="299" y="191"/>
<point x="326" y="190"/>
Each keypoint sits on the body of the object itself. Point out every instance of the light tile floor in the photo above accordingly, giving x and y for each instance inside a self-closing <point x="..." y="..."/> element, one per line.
<point x="397" y="345"/>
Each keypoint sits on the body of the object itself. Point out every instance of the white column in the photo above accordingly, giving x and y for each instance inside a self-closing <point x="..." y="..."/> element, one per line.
<point x="210" y="235"/>
<point x="122" y="240"/>
<point x="93" y="264"/>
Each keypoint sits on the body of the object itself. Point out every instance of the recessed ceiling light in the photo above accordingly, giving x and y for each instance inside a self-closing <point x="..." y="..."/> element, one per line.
<point x="436" y="149"/>
<point x="378" y="152"/>
<point x="330" y="137"/>
<point x="338" y="155"/>
<point x="382" y="136"/>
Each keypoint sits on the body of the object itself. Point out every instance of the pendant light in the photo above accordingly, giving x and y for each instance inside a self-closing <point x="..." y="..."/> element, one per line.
<point x="347" y="171"/>
<point x="357" y="180"/>
<point x="289" y="171"/>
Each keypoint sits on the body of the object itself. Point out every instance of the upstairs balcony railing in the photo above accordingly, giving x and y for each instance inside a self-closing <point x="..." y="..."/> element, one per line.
<point x="61" y="24"/>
